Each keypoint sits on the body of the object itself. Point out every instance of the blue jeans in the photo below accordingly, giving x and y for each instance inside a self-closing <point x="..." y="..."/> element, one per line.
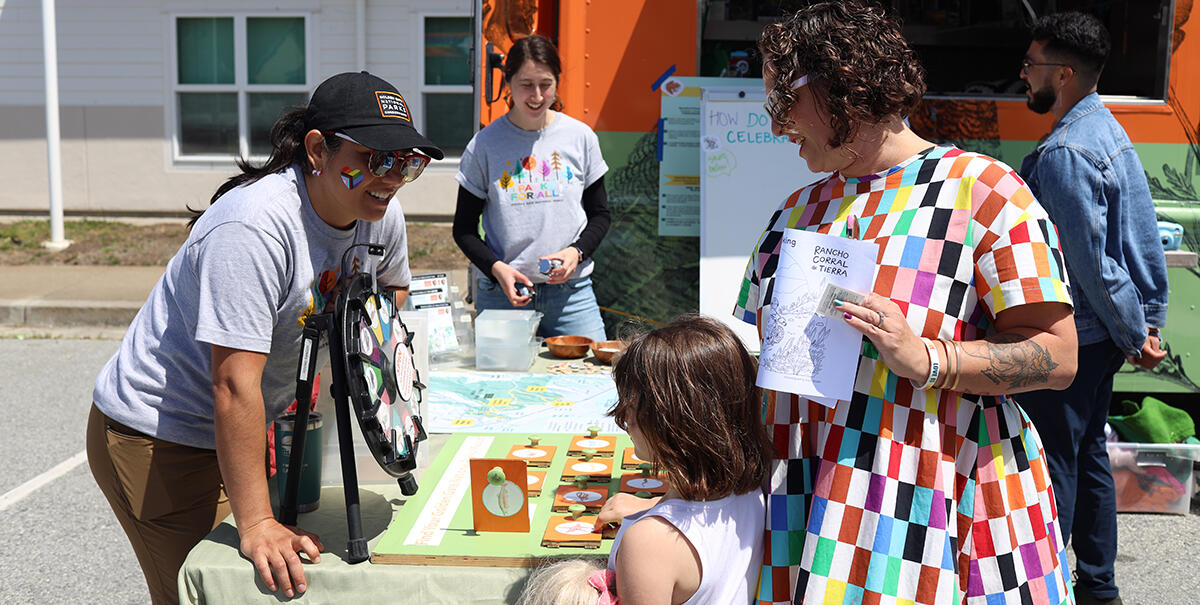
<point x="568" y="308"/>
<point x="1071" y="424"/>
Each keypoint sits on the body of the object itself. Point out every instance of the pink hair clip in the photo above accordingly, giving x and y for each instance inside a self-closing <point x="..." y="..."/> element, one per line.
<point x="605" y="583"/>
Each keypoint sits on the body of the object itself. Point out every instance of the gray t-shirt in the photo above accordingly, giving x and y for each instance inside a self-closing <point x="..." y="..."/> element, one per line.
<point x="533" y="184"/>
<point x="254" y="266"/>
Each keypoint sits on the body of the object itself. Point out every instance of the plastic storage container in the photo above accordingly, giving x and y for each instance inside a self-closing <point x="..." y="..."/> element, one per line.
<point x="506" y="326"/>
<point x="1153" y="477"/>
<point x="496" y="355"/>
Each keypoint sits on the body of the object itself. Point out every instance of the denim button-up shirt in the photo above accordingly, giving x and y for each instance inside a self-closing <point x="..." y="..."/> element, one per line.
<point x="1087" y="175"/>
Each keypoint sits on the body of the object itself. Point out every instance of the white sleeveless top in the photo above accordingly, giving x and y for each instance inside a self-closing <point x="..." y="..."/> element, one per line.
<point x="728" y="536"/>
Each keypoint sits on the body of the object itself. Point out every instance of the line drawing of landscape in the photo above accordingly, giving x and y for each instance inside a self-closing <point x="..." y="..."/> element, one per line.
<point x="786" y="349"/>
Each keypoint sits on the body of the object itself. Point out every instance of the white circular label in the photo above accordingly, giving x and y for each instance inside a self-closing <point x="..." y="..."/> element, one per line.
<point x="372" y="382"/>
<point x="593" y="443"/>
<point x="574" y="528"/>
<point x="644" y="483"/>
<point x="588" y="468"/>
<point x="531" y="479"/>
<point x="581" y="496"/>
<point x="503" y="500"/>
<point x="529" y="453"/>
<point x="366" y="340"/>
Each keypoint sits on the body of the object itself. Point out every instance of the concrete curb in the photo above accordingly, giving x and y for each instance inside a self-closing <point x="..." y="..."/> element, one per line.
<point x="58" y="313"/>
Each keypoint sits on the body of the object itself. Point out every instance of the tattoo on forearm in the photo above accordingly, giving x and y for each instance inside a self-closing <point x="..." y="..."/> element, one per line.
<point x="1014" y="360"/>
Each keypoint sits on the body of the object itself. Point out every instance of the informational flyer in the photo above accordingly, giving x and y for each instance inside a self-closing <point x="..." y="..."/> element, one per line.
<point x="431" y="293"/>
<point x="679" y="172"/>
<point x="807" y="348"/>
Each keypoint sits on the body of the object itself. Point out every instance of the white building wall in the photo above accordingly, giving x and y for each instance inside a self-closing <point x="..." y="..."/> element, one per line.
<point x="115" y="92"/>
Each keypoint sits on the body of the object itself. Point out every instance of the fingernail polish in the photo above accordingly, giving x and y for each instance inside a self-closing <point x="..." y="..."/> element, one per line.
<point x="837" y="303"/>
<point x="847" y="316"/>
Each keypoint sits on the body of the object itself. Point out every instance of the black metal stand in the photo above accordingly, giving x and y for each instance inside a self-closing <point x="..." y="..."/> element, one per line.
<point x="383" y="442"/>
<point x="356" y="547"/>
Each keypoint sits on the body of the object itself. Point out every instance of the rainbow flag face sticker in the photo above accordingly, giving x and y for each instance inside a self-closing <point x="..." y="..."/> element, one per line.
<point x="351" y="177"/>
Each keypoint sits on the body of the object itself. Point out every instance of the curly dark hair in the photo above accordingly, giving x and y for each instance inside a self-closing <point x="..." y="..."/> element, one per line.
<point x="1077" y="38"/>
<point x="857" y="61"/>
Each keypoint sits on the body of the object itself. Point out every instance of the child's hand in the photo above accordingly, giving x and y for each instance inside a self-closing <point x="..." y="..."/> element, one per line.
<point x="620" y="506"/>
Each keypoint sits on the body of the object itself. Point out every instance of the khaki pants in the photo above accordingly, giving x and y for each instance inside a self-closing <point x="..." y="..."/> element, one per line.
<point x="166" y="496"/>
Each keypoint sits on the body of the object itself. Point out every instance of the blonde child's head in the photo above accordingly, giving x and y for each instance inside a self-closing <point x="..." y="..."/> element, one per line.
<point x="562" y="583"/>
<point x="688" y="389"/>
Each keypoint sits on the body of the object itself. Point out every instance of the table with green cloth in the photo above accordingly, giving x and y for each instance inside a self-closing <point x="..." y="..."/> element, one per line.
<point x="215" y="571"/>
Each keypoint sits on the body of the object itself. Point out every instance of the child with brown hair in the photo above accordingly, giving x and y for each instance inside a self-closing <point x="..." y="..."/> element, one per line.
<point x="687" y="398"/>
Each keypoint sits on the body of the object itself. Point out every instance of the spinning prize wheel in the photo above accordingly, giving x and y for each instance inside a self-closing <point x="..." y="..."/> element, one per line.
<point x="381" y="378"/>
<point x="375" y="379"/>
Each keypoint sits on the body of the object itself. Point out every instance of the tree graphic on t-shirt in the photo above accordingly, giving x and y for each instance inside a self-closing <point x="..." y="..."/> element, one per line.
<point x="517" y="172"/>
<point x="556" y="161"/>
<point x="545" y="170"/>
<point x="505" y="180"/>
<point x="530" y="163"/>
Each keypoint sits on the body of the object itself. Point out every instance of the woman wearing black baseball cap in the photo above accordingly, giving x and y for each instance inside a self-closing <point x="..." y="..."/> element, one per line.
<point x="177" y="433"/>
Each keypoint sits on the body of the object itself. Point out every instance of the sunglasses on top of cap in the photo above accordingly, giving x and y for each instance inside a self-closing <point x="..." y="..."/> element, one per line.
<point x="411" y="162"/>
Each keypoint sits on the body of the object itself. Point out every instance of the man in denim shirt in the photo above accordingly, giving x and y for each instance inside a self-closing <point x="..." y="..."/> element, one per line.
<point x="1088" y="177"/>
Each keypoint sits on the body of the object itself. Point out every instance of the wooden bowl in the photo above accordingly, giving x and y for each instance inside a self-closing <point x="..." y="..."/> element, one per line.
<point x="568" y="347"/>
<point x="606" y="350"/>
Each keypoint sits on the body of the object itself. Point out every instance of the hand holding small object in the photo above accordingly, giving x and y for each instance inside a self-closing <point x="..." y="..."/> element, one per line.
<point x="508" y="278"/>
<point x="568" y="259"/>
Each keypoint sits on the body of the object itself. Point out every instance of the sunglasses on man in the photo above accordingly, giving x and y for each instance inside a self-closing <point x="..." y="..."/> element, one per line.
<point x="411" y="162"/>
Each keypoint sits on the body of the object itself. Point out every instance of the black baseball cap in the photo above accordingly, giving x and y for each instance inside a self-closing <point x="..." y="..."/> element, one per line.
<point x="369" y="110"/>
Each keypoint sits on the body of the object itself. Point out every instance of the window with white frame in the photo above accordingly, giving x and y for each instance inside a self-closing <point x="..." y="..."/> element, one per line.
<point x="234" y="77"/>
<point x="446" y="92"/>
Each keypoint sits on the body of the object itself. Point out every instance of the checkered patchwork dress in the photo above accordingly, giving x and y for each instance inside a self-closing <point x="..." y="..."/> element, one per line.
<point x="899" y="495"/>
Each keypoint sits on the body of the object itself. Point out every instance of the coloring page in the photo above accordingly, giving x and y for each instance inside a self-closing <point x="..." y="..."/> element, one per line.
<point x="807" y="348"/>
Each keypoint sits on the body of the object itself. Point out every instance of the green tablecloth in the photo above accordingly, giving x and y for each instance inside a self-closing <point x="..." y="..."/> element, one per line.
<point x="215" y="572"/>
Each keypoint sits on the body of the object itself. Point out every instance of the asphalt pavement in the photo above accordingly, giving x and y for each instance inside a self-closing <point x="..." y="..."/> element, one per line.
<point x="61" y="544"/>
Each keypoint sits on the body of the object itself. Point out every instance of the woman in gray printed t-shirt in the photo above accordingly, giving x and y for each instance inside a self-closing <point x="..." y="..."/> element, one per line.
<point x="536" y="176"/>
<point x="176" y="439"/>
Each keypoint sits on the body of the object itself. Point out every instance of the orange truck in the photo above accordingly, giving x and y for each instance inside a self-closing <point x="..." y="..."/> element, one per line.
<point x="615" y="53"/>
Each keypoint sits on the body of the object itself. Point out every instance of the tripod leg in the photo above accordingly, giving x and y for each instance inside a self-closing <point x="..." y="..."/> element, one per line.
<point x="356" y="547"/>
<point x="304" y="379"/>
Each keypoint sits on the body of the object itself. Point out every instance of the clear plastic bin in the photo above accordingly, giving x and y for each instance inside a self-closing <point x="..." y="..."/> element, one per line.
<point x="514" y="357"/>
<point x="1153" y="477"/>
<point x="506" y="326"/>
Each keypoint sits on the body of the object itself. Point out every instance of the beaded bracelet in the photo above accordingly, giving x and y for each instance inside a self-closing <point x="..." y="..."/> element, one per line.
<point x="935" y="362"/>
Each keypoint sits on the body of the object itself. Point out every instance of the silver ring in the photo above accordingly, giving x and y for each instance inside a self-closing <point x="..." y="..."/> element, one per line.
<point x="879" y="323"/>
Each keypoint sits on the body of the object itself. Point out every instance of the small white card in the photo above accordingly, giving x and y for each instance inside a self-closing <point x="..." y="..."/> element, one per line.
<point x="834" y="292"/>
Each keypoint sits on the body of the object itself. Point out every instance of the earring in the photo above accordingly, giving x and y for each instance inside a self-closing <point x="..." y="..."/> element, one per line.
<point x="316" y="172"/>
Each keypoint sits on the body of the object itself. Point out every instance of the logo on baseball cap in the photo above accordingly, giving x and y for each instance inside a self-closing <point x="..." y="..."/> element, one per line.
<point x="369" y="110"/>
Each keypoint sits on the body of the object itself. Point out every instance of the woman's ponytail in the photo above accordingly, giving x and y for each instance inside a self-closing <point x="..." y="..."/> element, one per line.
<point x="287" y="148"/>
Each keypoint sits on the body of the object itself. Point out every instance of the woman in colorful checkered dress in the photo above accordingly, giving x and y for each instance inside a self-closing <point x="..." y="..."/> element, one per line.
<point x="928" y="485"/>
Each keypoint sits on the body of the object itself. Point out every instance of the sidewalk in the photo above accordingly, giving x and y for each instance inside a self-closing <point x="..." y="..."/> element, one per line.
<point x="66" y="296"/>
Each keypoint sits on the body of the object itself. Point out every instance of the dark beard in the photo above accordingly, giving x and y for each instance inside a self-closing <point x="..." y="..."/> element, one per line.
<point x="1042" y="100"/>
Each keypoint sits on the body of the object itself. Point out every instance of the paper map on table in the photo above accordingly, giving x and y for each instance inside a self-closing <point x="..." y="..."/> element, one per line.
<point x="509" y="402"/>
